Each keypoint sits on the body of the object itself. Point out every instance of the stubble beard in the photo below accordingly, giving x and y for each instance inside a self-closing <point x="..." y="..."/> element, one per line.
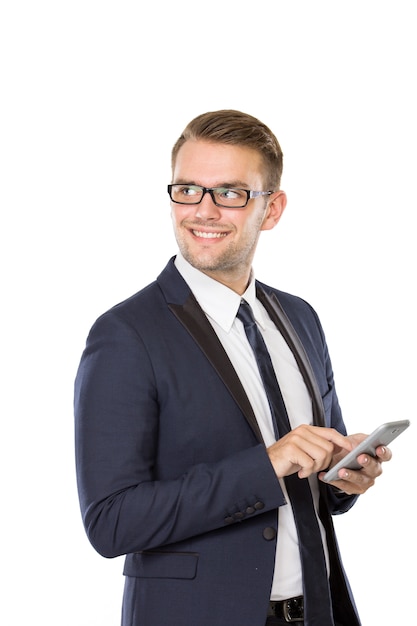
<point x="233" y="259"/>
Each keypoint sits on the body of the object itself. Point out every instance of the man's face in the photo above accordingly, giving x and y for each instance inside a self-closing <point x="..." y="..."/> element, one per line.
<point x="219" y="241"/>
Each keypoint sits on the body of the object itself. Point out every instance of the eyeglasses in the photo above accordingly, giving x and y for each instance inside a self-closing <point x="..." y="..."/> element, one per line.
<point x="227" y="197"/>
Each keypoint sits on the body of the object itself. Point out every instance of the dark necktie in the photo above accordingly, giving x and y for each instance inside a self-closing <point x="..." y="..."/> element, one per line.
<point x="317" y="602"/>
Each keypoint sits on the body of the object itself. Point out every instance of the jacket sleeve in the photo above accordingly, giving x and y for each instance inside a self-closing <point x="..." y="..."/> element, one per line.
<point x="125" y="507"/>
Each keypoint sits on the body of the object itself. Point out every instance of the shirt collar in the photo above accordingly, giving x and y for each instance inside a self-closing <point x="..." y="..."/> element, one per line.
<point x="218" y="301"/>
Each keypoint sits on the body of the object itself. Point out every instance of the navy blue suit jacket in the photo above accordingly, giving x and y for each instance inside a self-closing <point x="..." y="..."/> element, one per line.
<point x="171" y="467"/>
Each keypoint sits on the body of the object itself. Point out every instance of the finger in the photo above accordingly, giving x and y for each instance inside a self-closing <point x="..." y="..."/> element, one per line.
<point x="384" y="453"/>
<point x="312" y="456"/>
<point x="320" y="433"/>
<point x="333" y="436"/>
<point x="371" y="466"/>
<point x="352" y="482"/>
<point x="296" y="453"/>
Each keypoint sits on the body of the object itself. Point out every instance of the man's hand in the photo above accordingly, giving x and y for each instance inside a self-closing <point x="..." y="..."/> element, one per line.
<point x="307" y="450"/>
<point x="358" y="481"/>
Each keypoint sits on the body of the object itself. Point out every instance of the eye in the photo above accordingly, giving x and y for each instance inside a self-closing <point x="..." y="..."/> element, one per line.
<point x="231" y="194"/>
<point x="186" y="190"/>
<point x="189" y="190"/>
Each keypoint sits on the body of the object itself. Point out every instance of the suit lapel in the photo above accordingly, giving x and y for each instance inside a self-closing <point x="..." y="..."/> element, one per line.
<point x="187" y="310"/>
<point x="192" y="317"/>
<point x="281" y="321"/>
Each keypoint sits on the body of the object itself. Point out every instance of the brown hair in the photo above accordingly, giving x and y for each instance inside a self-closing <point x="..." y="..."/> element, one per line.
<point x="236" y="128"/>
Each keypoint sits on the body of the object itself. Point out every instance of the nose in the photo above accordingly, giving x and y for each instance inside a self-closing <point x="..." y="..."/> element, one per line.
<point x="207" y="209"/>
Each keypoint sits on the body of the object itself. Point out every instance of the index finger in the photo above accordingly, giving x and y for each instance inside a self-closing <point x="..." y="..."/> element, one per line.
<point x="332" y="435"/>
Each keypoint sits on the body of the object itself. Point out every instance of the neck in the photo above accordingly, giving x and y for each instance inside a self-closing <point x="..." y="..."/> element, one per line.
<point x="237" y="282"/>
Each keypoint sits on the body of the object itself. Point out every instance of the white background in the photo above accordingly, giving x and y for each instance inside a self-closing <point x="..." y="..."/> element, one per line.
<point x="93" y="95"/>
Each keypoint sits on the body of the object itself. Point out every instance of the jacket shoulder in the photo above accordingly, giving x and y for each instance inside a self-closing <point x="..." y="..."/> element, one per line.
<point x="146" y="311"/>
<point x="301" y="314"/>
<point x="292" y="304"/>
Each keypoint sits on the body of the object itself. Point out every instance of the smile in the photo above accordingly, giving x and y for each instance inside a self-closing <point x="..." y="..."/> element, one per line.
<point x="198" y="233"/>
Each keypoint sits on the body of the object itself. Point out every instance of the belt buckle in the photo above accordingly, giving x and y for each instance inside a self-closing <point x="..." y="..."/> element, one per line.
<point x="293" y="609"/>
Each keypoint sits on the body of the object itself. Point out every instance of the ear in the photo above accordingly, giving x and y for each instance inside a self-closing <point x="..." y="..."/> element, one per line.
<point x="274" y="210"/>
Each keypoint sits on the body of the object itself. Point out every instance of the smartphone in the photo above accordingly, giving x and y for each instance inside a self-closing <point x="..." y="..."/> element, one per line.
<point x="382" y="436"/>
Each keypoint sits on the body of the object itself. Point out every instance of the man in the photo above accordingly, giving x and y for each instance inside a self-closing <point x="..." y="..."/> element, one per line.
<point x="180" y="462"/>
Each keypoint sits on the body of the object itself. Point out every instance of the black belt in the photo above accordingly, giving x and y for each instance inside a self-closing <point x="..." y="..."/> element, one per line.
<point x="291" y="610"/>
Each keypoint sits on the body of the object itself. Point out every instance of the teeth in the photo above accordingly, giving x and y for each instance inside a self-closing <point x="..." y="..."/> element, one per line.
<point x="198" y="233"/>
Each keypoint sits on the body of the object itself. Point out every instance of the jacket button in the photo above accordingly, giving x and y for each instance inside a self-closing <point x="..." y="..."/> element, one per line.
<point x="250" y="510"/>
<point x="229" y="520"/>
<point x="269" y="533"/>
<point x="259" y="506"/>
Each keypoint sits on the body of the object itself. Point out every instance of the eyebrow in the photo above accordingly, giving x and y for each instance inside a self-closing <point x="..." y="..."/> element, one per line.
<point x="234" y="184"/>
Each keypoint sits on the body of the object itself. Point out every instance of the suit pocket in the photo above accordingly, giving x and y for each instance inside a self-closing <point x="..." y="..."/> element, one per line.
<point x="161" y="565"/>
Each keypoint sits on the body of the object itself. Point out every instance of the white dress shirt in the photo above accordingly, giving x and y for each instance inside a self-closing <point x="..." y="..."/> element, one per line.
<point x="221" y="305"/>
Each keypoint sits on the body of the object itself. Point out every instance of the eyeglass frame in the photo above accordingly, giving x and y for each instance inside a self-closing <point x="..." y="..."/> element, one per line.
<point x="210" y="190"/>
